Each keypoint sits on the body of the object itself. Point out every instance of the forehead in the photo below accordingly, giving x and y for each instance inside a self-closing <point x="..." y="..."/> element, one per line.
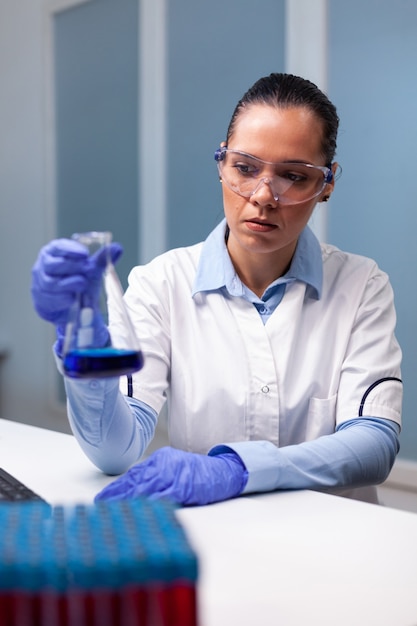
<point x="278" y="134"/>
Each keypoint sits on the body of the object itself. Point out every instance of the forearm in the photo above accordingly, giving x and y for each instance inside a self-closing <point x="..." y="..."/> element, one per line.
<point x="111" y="429"/>
<point x="360" y="453"/>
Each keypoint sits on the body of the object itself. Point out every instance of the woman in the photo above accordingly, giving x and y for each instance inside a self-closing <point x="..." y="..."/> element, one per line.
<point x="277" y="355"/>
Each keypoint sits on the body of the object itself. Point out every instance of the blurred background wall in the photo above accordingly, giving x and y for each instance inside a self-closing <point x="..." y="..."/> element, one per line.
<point x="110" y="112"/>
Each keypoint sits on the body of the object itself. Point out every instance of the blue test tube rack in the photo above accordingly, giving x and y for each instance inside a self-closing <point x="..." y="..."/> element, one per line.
<point x="124" y="563"/>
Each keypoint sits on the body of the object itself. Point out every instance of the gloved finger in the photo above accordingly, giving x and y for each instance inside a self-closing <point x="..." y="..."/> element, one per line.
<point x="52" y="308"/>
<point x="165" y="471"/>
<point x="122" y="487"/>
<point x="57" y="285"/>
<point x="143" y="478"/>
<point x="115" y="492"/>
<point x="98" y="261"/>
<point x="119" y="489"/>
<point x="116" y="251"/>
<point x="61" y="257"/>
<point x="167" y="494"/>
<point x="54" y="295"/>
<point x="68" y="248"/>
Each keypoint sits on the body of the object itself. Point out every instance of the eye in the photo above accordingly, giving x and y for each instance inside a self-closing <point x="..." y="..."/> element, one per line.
<point x="294" y="177"/>
<point x="246" y="169"/>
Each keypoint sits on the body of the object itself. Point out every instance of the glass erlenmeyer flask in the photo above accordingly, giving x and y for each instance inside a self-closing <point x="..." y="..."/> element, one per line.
<point x="80" y="358"/>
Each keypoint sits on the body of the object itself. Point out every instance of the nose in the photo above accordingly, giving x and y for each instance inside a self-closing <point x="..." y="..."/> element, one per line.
<point x="264" y="195"/>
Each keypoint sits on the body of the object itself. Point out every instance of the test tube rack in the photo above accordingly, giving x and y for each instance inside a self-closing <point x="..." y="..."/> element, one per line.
<point x="123" y="563"/>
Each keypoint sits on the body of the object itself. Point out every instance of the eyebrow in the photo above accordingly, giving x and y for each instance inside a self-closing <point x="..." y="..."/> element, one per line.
<point x="287" y="161"/>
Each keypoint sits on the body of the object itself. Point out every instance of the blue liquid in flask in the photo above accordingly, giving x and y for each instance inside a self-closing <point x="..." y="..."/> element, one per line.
<point x="102" y="362"/>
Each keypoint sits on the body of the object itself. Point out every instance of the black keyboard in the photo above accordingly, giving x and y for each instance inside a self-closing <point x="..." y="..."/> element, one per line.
<point x="12" y="490"/>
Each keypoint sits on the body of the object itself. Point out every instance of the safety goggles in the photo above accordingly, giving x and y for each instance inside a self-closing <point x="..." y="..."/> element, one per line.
<point x="290" y="183"/>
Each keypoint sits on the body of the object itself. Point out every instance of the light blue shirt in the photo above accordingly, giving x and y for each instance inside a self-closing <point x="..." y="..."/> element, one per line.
<point x="216" y="272"/>
<point x="358" y="453"/>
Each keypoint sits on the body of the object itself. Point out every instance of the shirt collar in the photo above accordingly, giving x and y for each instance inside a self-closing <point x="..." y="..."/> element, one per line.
<point x="215" y="269"/>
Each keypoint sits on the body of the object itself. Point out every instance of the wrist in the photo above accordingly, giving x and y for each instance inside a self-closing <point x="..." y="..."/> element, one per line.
<point x="237" y="468"/>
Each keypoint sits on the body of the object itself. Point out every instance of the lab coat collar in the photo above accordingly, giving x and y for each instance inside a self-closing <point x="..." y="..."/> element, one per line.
<point x="215" y="269"/>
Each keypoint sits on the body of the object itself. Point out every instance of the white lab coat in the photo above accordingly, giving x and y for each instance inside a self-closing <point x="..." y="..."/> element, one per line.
<point x="229" y="378"/>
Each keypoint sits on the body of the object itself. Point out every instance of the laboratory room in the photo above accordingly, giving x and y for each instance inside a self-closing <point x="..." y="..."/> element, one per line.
<point x="207" y="331"/>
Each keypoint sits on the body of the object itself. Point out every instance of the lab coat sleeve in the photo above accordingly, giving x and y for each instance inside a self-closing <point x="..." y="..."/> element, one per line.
<point x="361" y="452"/>
<point x="113" y="430"/>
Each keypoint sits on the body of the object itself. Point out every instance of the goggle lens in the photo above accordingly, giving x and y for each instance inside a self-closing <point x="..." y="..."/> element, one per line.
<point x="290" y="183"/>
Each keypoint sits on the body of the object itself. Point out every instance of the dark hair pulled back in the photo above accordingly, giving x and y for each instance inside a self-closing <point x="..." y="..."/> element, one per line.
<point x="286" y="91"/>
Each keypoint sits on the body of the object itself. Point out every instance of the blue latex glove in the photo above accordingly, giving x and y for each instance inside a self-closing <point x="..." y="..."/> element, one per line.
<point x="183" y="477"/>
<point x="62" y="270"/>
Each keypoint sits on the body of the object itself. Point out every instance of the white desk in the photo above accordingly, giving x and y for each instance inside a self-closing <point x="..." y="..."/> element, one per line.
<point x="282" y="559"/>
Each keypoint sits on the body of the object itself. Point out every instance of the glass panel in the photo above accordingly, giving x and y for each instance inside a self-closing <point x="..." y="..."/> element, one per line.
<point x="373" y="208"/>
<point x="216" y="50"/>
<point x="96" y="64"/>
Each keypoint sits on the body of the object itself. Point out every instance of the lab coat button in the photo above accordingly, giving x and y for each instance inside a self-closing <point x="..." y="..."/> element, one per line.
<point x="265" y="389"/>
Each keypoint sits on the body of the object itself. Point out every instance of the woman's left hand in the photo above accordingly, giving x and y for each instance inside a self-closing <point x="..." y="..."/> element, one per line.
<point x="183" y="477"/>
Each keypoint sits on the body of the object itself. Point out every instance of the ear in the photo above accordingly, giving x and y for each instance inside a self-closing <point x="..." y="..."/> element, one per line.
<point x="335" y="167"/>
<point x="223" y="144"/>
<point x="328" y="190"/>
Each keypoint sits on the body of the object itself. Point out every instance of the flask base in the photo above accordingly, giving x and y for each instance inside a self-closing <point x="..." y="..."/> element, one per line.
<point x="102" y="362"/>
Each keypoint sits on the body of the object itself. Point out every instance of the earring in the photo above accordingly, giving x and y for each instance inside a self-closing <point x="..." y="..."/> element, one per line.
<point x="326" y="198"/>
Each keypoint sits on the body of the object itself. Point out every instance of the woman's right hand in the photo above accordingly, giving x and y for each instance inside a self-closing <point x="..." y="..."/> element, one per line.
<point x="65" y="269"/>
<point x="59" y="274"/>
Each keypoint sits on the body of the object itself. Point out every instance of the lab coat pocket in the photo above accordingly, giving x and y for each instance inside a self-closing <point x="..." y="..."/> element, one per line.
<point x="321" y="417"/>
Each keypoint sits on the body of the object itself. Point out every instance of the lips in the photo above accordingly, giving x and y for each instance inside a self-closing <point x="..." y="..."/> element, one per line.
<point x="260" y="226"/>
